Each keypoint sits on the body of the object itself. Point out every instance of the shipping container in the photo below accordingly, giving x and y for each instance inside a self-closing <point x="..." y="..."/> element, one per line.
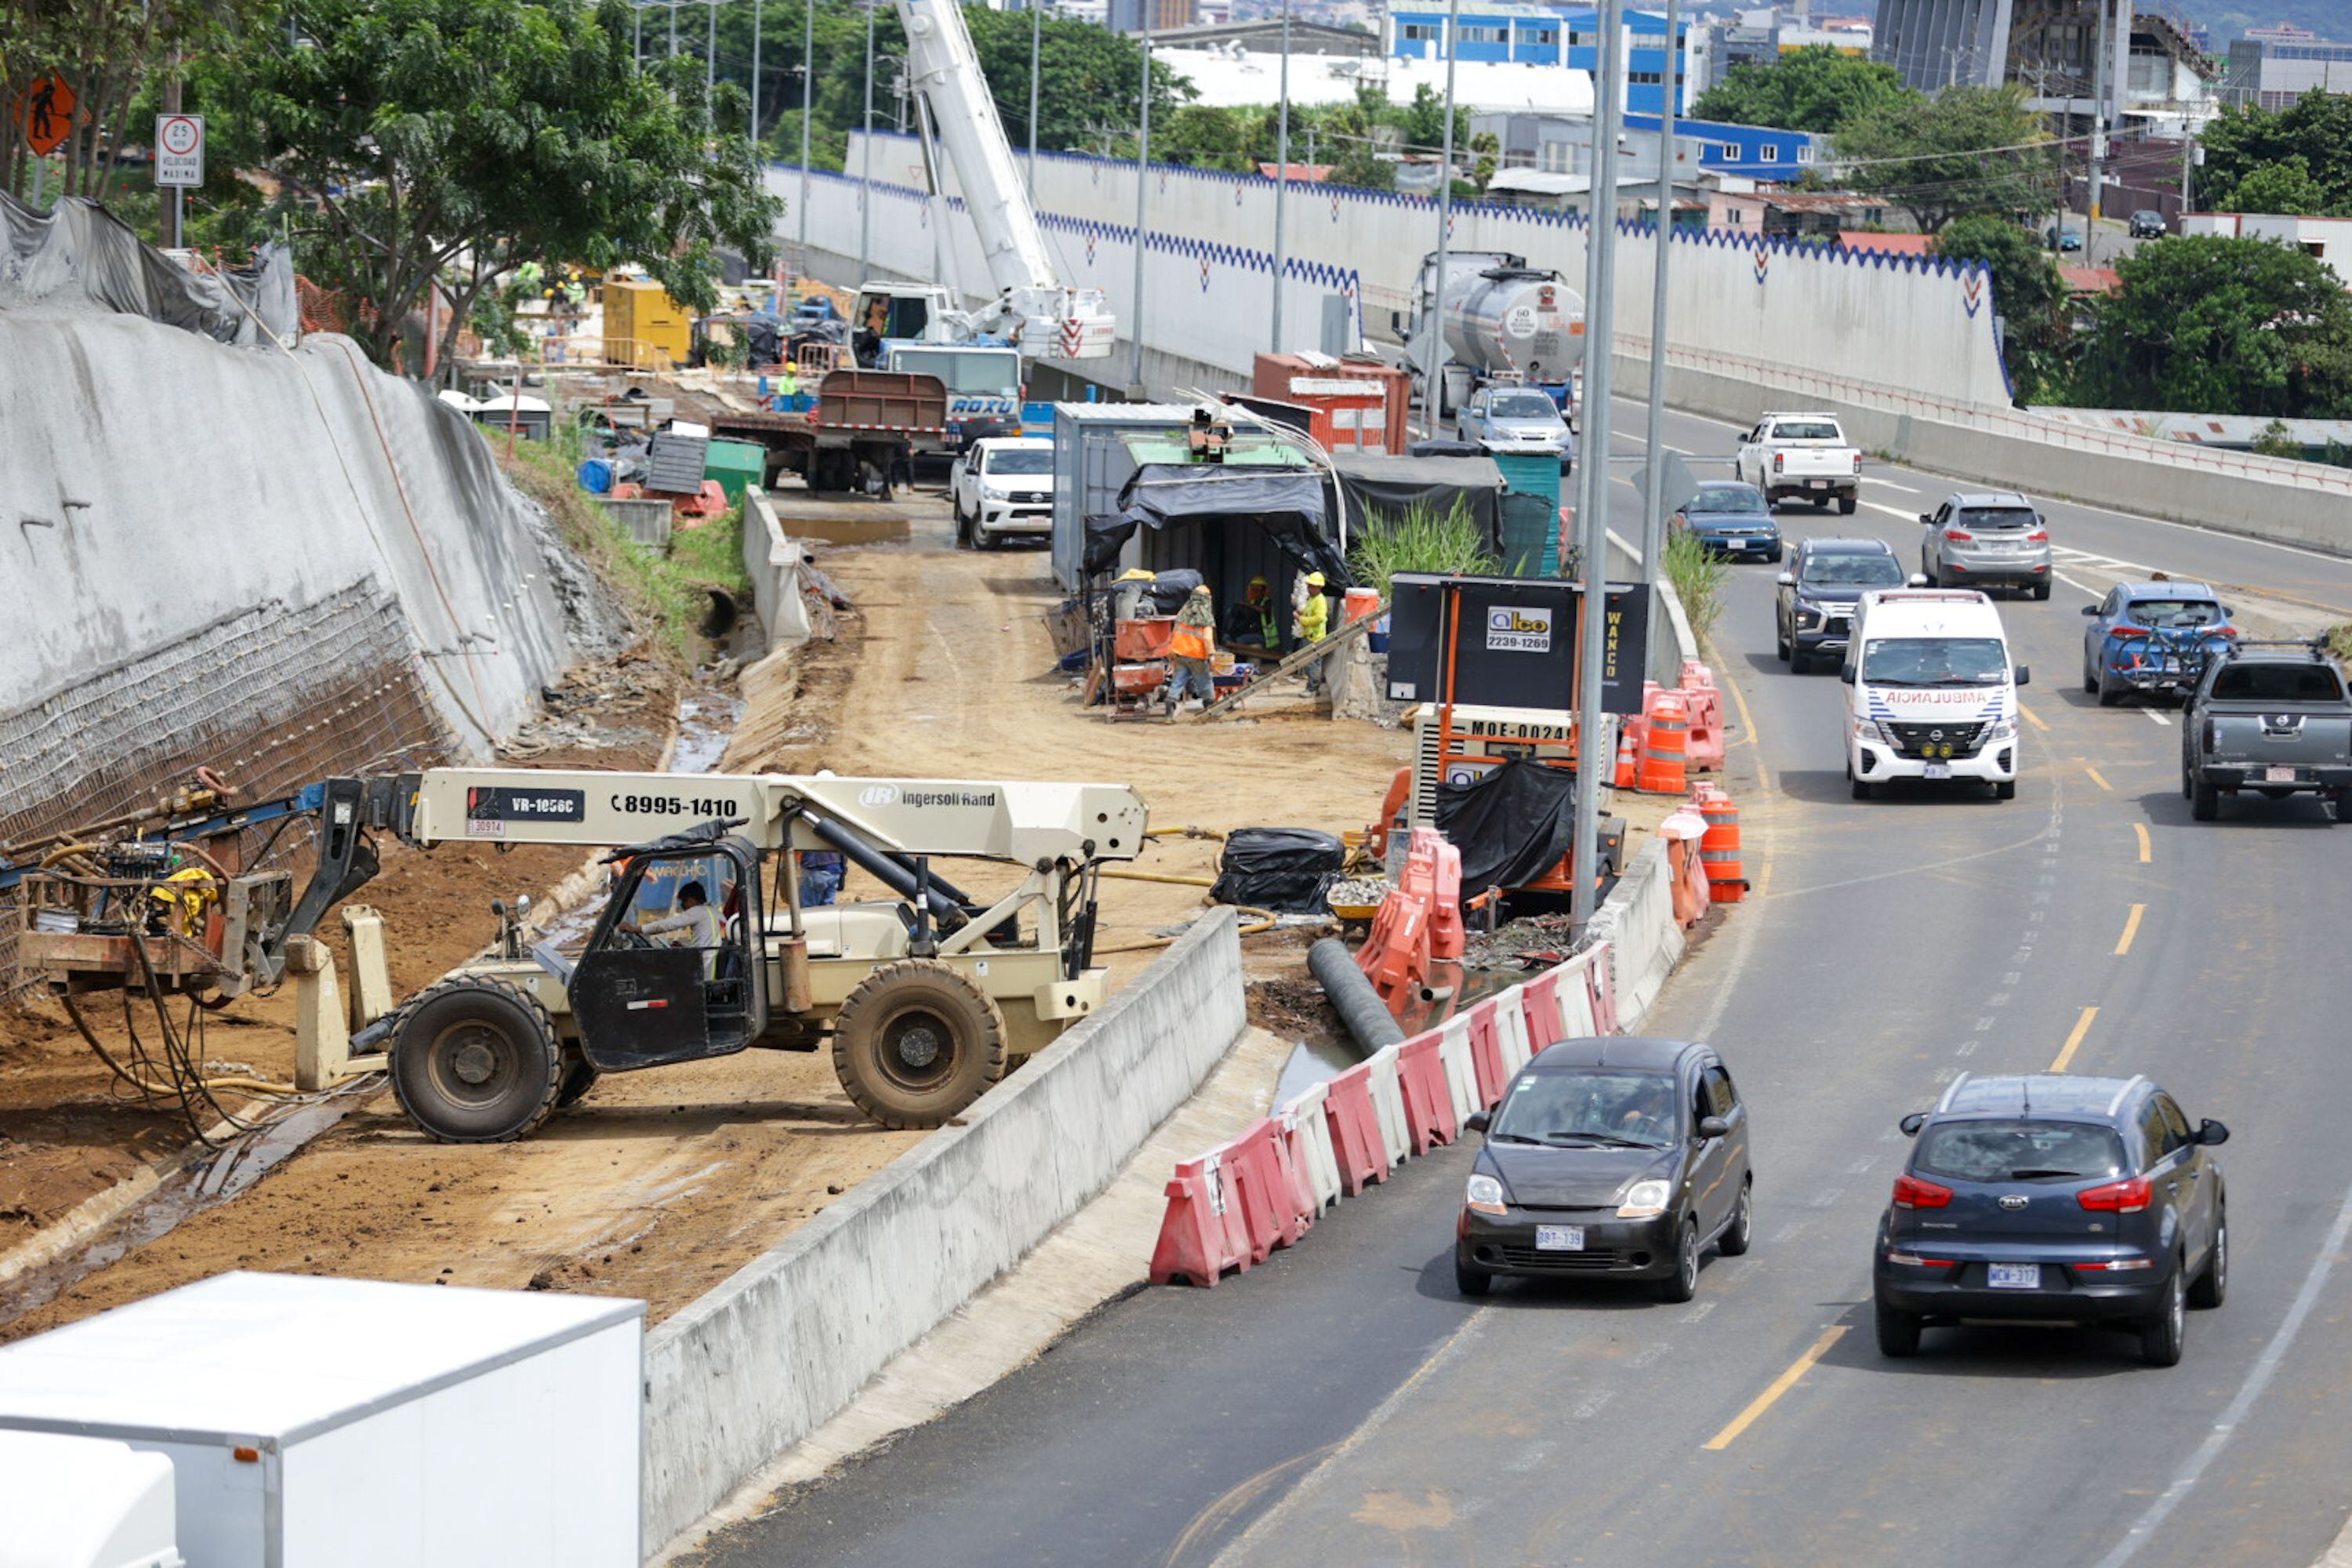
<point x="643" y="323"/>
<point x="1092" y="465"/>
<point x="362" y="1423"/>
<point x="1348" y="417"/>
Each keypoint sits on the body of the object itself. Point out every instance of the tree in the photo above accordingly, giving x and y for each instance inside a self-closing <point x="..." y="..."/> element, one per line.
<point x="2027" y="292"/>
<point x="2312" y="137"/>
<point x="2205" y="324"/>
<point x="1814" y="88"/>
<point x="1966" y="149"/>
<point x="1211" y="138"/>
<point x="445" y="141"/>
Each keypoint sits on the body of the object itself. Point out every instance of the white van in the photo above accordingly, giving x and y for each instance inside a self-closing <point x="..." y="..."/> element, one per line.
<point x="1933" y="695"/>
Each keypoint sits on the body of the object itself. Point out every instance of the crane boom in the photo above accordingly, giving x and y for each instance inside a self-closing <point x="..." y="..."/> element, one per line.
<point x="1054" y="319"/>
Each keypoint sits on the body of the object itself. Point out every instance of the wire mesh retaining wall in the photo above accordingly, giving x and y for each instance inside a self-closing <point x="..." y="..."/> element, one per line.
<point x="271" y="697"/>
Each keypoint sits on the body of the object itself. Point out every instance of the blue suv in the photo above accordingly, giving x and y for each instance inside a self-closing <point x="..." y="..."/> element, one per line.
<point x="2152" y="637"/>
<point x="2054" y="1198"/>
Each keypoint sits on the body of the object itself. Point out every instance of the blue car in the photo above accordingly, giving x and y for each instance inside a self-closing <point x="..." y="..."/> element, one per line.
<point x="1730" y="518"/>
<point x="2151" y="637"/>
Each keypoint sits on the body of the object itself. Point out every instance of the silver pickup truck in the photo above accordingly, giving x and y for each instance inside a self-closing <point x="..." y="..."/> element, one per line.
<point x="2269" y="718"/>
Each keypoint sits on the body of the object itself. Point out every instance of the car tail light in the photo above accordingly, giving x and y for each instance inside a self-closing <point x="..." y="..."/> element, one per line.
<point x="1857" y="462"/>
<point x="1958" y="536"/>
<point x="1911" y="1193"/>
<point x="2121" y="630"/>
<point x="2212" y="737"/>
<point x="1912" y="1261"/>
<point x="2039" y="536"/>
<point x="2115" y="1266"/>
<point x="1778" y="462"/>
<point x="2128" y="1196"/>
<point x="2228" y="634"/>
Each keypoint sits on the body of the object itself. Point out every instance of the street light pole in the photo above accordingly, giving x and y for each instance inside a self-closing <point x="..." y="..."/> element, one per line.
<point x="1282" y="180"/>
<point x="1036" y="35"/>
<point x="1600" y="339"/>
<point x="865" y="161"/>
<point x="1653" y="467"/>
<point x="1432" y="386"/>
<point x="1142" y="187"/>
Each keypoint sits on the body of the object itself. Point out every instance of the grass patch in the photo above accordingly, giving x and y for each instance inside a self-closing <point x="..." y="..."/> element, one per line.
<point x="1698" y="576"/>
<point x="670" y="592"/>
<point x="1424" y="539"/>
<point x="2339" y="641"/>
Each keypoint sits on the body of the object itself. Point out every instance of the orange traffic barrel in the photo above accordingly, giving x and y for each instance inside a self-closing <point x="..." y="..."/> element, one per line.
<point x="1726" y="883"/>
<point x="1662" y="745"/>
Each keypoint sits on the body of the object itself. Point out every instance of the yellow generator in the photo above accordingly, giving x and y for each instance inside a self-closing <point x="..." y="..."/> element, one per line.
<point x="643" y="323"/>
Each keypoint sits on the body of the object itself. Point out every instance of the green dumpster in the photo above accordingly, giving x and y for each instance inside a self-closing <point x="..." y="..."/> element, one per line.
<point x="735" y="464"/>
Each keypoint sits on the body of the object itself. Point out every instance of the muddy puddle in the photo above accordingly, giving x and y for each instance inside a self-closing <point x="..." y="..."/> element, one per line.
<point x="846" y="523"/>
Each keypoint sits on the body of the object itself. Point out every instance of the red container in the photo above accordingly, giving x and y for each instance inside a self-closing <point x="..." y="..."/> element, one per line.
<point x="1342" y="416"/>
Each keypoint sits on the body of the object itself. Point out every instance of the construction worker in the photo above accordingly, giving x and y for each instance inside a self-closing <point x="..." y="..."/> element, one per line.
<point x="1252" y="621"/>
<point x="1189" y="649"/>
<point x="1310" y="622"/>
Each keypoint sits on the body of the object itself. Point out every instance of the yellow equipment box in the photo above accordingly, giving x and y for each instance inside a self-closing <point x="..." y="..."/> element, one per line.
<point x="642" y="322"/>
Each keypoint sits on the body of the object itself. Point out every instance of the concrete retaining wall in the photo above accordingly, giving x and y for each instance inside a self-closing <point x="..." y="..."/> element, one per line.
<point x="756" y="1365"/>
<point x="772" y="561"/>
<point x="1637" y="920"/>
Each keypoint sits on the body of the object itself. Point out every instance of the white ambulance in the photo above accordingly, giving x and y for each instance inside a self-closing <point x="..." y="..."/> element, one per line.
<point x="1933" y="691"/>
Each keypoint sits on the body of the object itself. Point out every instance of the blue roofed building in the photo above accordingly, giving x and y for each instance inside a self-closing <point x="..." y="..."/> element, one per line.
<point x="1560" y="36"/>
<point x="1757" y="152"/>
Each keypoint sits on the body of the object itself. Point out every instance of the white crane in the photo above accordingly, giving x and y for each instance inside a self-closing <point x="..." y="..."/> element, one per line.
<point x="1051" y="318"/>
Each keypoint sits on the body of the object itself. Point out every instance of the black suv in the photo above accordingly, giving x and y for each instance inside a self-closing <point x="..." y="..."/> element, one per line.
<point x="2063" y="1199"/>
<point x="1813" y="613"/>
<point x="1621" y="1157"/>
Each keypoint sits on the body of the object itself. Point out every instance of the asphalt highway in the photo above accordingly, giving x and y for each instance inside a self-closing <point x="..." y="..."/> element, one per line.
<point x="1341" y="1405"/>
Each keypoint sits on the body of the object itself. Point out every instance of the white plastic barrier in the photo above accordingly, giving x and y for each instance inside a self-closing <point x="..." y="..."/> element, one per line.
<point x="1511" y="1028"/>
<point x="1303" y="1114"/>
<point x="1387" y="1104"/>
<point x="1461" y="1074"/>
<point x="1576" y="997"/>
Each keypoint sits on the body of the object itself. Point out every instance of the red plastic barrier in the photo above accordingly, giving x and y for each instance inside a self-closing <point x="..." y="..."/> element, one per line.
<point x="1428" y="1103"/>
<point x="1395" y="957"/>
<point x="1293" y="1133"/>
<point x="1202" y="1235"/>
<point x="1446" y="937"/>
<point x="1261" y="1189"/>
<point x="1356" y="1131"/>
<point x="1601" y="980"/>
<point x="1545" y="1027"/>
<point x="1487" y="1055"/>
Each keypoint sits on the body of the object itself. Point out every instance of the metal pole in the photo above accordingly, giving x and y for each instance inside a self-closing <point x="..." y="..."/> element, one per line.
<point x="1036" y="37"/>
<point x="637" y="33"/>
<point x="1282" y="180"/>
<point x="672" y="29"/>
<point x="710" y="52"/>
<point x="865" y="161"/>
<point x="2188" y="166"/>
<point x="1432" y="386"/>
<point x="808" y="97"/>
<point x="2098" y="141"/>
<point x="756" y="6"/>
<point x="1599" y="337"/>
<point x="1142" y="187"/>
<point x="1653" y="466"/>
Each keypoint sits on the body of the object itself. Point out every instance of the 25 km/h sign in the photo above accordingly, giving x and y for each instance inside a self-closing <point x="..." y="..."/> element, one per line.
<point x="179" y="149"/>
<point x="47" y="113"/>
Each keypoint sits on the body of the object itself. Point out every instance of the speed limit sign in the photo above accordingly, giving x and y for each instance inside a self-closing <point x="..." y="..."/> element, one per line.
<point x="179" y="149"/>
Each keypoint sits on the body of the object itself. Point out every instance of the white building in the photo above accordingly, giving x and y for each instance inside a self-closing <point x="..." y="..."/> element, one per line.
<point x="2327" y="238"/>
<point x="1230" y="78"/>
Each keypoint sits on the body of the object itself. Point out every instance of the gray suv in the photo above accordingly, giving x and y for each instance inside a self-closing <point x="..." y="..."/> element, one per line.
<point x="2059" y="1199"/>
<point x="1992" y="538"/>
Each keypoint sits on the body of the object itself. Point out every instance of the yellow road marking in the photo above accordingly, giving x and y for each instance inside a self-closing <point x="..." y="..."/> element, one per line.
<point x="2131" y="930"/>
<point x="2145" y="848"/>
<point x="2096" y="777"/>
<point x="1763" y="880"/>
<point x="1780" y="1385"/>
<point x="2074" y="1040"/>
<point x="2031" y="717"/>
<point x="1747" y="724"/>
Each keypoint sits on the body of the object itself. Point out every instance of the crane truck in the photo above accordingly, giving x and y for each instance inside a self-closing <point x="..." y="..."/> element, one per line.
<point x="921" y="995"/>
<point x="1034" y="309"/>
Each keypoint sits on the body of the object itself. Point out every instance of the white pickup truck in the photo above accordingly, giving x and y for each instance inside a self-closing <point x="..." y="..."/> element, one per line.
<point x="1789" y="455"/>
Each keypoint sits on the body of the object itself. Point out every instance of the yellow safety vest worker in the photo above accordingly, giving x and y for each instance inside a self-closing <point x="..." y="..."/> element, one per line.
<point x="1314" y="617"/>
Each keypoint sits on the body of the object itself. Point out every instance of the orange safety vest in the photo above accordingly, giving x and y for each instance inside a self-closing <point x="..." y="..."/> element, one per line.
<point x="1189" y="642"/>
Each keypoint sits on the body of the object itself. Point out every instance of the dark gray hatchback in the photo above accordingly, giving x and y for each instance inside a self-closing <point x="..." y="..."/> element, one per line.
<point x="1618" y="1157"/>
<point x="2059" y="1199"/>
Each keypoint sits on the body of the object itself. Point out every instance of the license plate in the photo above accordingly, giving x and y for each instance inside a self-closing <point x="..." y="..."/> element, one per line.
<point x="1939" y="770"/>
<point x="2013" y="1275"/>
<point x="1560" y="1238"/>
<point x="2278" y="775"/>
<point x="1817" y="484"/>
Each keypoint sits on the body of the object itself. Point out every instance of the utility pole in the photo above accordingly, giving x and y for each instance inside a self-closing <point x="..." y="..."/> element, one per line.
<point x="1282" y="180"/>
<point x="808" y="100"/>
<point x="2188" y="166"/>
<point x="756" y="4"/>
<point x="637" y="32"/>
<point x="672" y="29"/>
<point x="710" y="52"/>
<point x="1432" y="386"/>
<point x="1142" y="189"/>
<point x="1036" y="32"/>
<point x="866" y="162"/>
<point x="1654" y="464"/>
<point x="1600" y="339"/>
<point x="2098" y="140"/>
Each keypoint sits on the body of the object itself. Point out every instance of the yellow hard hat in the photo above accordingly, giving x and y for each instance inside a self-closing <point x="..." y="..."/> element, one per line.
<point x="1136" y="574"/>
<point x="1199" y="590"/>
<point x="1257" y="582"/>
<point x="1314" y="579"/>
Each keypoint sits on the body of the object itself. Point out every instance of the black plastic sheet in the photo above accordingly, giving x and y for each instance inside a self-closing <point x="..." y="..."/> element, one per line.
<point x="1286" y="870"/>
<point x="1286" y="503"/>
<point x="80" y="253"/>
<point x="1512" y="824"/>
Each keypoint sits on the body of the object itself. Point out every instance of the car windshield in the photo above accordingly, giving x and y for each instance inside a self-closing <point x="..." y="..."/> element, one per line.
<point x="1524" y="405"/>
<point x="1853" y="570"/>
<point x="2019" y="1151"/>
<point x="1806" y="430"/>
<point x="1993" y="517"/>
<point x="1725" y="497"/>
<point x="1021" y="460"/>
<point x="1933" y="661"/>
<point x="1601" y="1106"/>
<point x="2277" y="683"/>
<point x="2171" y="614"/>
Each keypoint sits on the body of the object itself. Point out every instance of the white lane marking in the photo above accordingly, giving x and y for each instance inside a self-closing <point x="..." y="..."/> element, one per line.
<point x="1909" y="517"/>
<point x="2071" y="583"/>
<point x="1890" y="485"/>
<point x="2273" y="1355"/>
<point x="2148" y="713"/>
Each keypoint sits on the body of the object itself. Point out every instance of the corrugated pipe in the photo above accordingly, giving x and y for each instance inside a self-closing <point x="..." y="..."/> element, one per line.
<point x="1352" y="997"/>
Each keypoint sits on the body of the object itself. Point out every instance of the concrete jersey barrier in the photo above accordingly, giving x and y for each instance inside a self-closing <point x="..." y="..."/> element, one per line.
<point x="772" y="561"/>
<point x="755" y="1364"/>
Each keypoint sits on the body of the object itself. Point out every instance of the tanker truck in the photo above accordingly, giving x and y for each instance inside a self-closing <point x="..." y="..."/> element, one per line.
<point x="1503" y="321"/>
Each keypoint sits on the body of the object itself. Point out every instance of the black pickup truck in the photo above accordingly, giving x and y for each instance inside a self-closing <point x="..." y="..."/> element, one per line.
<point x="2271" y="718"/>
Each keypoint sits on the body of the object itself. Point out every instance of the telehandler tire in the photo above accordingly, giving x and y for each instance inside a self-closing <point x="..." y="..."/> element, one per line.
<point x="916" y="1043"/>
<point x="476" y="1061"/>
<point x="580" y="1075"/>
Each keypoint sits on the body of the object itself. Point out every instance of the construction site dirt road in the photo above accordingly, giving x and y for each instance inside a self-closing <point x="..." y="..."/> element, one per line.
<point x="660" y="1183"/>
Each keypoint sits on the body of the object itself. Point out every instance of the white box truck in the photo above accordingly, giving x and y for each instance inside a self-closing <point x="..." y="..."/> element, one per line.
<point x="363" y="1425"/>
